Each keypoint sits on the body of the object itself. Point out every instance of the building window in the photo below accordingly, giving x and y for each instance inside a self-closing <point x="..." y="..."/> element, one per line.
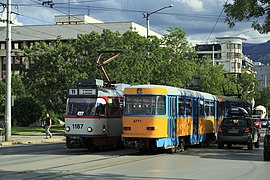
<point x="15" y="45"/>
<point x="238" y="65"/>
<point x="229" y="46"/>
<point x="217" y="56"/>
<point x="3" y="46"/>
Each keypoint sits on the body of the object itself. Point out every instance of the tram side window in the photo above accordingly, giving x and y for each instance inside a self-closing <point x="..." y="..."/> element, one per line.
<point x="188" y="107"/>
<point x="202" y="108"/>
<point x="161" y="105"/>
<point x="212" y="108"/>
<point x="181" y="106"/>
<point x="114" y="107"/>
<point x="207" y="108"/>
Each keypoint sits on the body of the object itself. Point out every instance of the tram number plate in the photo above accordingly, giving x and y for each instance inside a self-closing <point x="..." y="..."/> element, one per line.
<point x="137" y="121"/>
<point x="77" y="126"/>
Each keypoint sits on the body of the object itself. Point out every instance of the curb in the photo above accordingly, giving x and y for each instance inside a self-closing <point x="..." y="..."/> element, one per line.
<point x="9" y="143"/>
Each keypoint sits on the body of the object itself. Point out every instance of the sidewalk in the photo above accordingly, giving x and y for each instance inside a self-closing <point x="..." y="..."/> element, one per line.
<point x="30" y="139"/>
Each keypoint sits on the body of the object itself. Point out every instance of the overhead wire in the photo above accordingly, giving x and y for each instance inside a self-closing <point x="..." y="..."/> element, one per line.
<point x="64" y="26"/>
<point x="98" y="8"/>
<point x="216" y="23"/>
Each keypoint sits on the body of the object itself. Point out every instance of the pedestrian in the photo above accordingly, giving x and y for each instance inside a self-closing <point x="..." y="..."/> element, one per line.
<point x="48" y="124"/>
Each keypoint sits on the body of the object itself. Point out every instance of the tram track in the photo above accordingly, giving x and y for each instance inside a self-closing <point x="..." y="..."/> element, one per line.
<point x="68" y="165"/>
<point x="103" y="165"/>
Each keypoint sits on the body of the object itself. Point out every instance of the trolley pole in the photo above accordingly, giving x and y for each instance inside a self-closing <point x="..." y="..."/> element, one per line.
<point x="8" y="76"/>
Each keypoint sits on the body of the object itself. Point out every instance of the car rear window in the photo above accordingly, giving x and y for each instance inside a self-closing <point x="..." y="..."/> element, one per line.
<point x="234" y="122"/>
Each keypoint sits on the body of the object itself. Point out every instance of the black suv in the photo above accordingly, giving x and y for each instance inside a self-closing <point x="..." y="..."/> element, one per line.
<point x="238" y="128"/>
<point x="266" y="145"/>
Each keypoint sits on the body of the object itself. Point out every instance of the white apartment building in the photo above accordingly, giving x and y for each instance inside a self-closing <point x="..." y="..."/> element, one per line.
<point x="228" y="52"/>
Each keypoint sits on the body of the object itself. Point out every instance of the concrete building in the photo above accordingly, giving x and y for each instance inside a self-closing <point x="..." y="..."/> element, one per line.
<point x="262" y="74"/>
<point x="67" y="27"/>
<point x="228" y="52"/>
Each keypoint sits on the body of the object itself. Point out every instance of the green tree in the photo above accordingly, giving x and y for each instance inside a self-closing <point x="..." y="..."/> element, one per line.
<point x="255" y="10"/>
<point x="17" y="90"/>
<point x="54" y="69"/>
<point x="133" y="66"/>
<point x="59" y="65"/>
<point x="173" y="60"/>
<point x="26" y="111"/>
<point x="248" y="84"/>
<point x="211" y="77"/>
<point x="167" y="61"/>
<point x="262" y="97"/>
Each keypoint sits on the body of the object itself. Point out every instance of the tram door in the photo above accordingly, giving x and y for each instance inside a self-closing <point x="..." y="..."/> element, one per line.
<point x="172" y="119"/>
<point x="195" y="121"/>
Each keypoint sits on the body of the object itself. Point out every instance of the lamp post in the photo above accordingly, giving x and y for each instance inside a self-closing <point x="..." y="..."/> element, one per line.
<point x="8" y="76"/>
<point x="147" y="16"/>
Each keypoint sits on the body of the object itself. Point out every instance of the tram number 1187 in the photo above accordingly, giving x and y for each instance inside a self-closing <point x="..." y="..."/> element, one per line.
<point x="77" y="126"/>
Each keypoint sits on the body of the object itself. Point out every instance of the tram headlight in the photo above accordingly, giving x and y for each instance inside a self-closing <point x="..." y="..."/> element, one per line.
<point x="89" y="129"/>
<point x="67" y="128"/>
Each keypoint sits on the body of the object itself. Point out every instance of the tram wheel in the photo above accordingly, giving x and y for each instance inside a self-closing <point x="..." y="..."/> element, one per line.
<point x="182" y="144"/>
<point x="172" y="150"/>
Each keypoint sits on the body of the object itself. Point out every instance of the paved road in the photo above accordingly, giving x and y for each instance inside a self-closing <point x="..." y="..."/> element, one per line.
<point x="49" y="160"/>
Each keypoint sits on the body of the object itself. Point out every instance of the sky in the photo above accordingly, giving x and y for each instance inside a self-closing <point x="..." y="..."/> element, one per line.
<point x="201" y="20"/>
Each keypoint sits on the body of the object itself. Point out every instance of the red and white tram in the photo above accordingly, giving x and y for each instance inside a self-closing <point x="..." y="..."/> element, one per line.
<point x="93" y="115"/>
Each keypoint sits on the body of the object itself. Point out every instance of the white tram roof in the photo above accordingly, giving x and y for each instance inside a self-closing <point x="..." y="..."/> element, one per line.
<point x="109" y="92"/>
<point x="178" y="91"/>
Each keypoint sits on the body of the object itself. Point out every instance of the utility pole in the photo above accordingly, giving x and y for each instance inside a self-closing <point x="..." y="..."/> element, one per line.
<point x="8" y="76"/>
<point x="213" y="54"/>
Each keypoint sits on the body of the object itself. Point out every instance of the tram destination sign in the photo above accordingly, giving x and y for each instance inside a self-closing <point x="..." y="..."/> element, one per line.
<point x="82" y="92"/>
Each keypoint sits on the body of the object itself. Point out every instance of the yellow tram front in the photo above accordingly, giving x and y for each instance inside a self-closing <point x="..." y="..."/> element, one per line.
<point x="145" y="118"/>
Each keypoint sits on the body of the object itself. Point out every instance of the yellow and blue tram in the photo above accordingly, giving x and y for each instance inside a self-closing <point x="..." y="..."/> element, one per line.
<point x="164" y="117"/>
<point x="93" y="115"/>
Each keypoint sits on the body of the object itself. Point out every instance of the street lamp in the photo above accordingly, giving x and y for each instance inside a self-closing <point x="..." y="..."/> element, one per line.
<point x="8" y="76"/>
<point x="147" y="15"/>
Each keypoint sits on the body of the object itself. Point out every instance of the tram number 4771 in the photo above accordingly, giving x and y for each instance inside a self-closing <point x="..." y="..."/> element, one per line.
<point x="77" y="126"/>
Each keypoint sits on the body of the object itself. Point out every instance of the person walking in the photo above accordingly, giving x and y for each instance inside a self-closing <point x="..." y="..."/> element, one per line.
<point x="48" y="124"/>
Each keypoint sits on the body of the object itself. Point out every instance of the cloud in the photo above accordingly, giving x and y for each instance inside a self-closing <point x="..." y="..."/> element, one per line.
<point x="198" y="18"/>
<point x="3" y="17"/>
<point x="196" y="5"/>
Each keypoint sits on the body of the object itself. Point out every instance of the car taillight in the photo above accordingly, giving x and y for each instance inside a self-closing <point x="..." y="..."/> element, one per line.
<point x="247" y="130"/>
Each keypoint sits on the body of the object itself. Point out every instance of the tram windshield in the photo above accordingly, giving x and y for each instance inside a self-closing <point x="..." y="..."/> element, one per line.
<point x="86" y="106"/>
<point x="145" y="105"/>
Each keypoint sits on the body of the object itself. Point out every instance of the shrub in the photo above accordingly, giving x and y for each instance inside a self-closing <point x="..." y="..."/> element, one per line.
<point x="26" y="111"/>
